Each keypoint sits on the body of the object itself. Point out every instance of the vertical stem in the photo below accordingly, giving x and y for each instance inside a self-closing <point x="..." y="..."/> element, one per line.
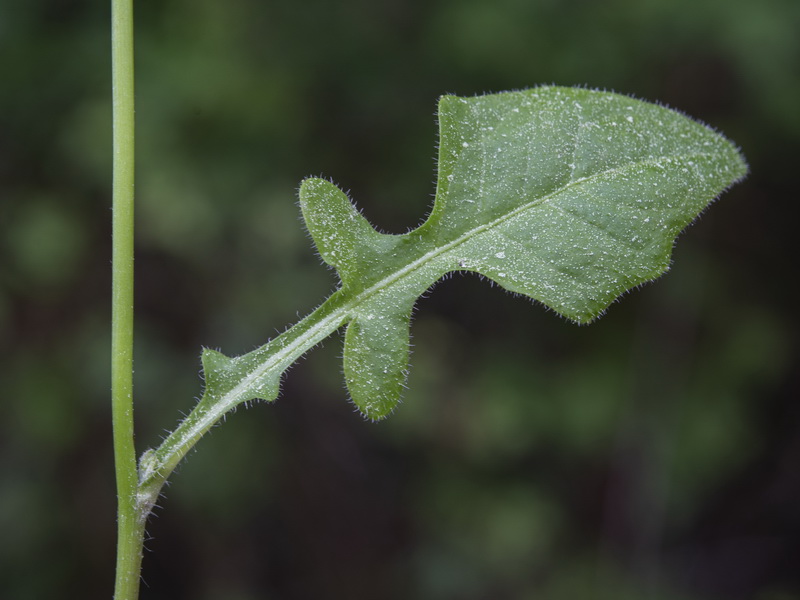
<point x="130" y="521"/>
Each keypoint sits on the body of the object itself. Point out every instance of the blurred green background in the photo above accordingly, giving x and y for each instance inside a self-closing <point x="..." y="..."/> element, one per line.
<point x="652" y="455"/>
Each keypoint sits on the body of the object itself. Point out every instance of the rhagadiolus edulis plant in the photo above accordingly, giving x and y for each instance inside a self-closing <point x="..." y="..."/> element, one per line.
<point x="568" y="196"/>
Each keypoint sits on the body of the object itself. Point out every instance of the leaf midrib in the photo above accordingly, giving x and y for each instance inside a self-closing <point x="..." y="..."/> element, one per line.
<point x="339" y="316"/>
<point x="470" y="233"/>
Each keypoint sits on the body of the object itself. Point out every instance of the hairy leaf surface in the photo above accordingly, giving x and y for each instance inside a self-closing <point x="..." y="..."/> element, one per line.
<point x="568" y="196"/>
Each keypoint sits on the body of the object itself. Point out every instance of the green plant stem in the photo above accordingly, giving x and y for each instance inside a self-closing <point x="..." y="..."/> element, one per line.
<point x="130" y="520"/>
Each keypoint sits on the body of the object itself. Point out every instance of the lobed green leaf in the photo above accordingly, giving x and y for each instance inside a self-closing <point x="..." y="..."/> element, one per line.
<point x="568" y="196"/>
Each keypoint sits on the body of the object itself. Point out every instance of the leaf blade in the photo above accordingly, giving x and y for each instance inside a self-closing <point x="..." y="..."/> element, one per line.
<point x="568" y="196"/>
<point x="485" y="162"/>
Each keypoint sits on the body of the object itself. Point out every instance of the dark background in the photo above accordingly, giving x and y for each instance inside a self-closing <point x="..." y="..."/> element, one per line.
<point x="652" y="455"/>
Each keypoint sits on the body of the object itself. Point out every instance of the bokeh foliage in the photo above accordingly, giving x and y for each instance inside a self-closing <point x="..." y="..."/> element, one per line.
<point x="651" y="455"/>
